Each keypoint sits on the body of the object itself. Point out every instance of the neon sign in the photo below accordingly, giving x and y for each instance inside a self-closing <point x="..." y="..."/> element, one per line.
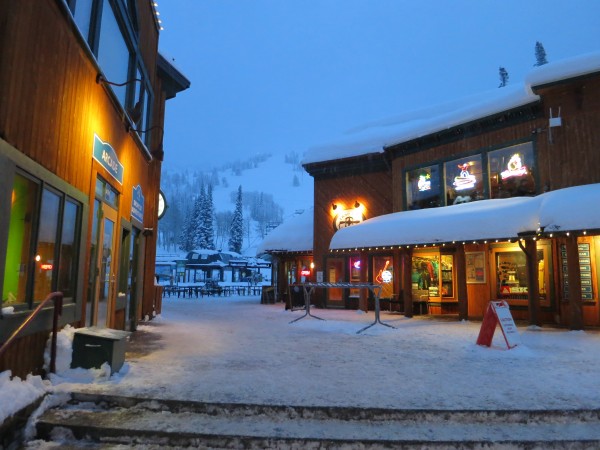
<point x="46" y="266"/>
<point x="424" y="182"/>
<point x="356" y="264"/>
<point x="515" y="167"/>
<point x="465" y="180"/>
<point x="384" y="275"/>
<point x="305" y="272"/>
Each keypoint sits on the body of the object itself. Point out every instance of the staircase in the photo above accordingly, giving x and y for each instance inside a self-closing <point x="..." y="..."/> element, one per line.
<point x="102" y="421"/>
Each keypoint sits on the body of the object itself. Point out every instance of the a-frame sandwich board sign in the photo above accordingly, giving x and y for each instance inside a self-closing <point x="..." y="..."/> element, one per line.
<point x="498" y="313"/>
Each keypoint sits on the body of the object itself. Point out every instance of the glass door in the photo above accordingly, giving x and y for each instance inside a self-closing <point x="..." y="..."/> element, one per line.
<point x="335" y="274"/>
<point x="103" y="268"/>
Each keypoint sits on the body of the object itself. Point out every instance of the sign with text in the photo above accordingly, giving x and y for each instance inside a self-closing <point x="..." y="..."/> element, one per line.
<point x="137" y="204"/>
<point x="107" y="157"/>
<point x="498" y="313"/>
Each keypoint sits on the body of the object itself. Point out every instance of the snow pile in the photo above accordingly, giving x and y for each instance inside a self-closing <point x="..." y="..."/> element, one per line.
<point x="16" y="394"/>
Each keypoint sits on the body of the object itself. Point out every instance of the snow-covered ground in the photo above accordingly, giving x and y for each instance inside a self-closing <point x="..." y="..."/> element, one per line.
<point x="234" y="349"/>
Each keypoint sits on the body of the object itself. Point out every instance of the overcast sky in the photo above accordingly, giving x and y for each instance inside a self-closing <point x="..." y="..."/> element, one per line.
<point x="279" y="76"/>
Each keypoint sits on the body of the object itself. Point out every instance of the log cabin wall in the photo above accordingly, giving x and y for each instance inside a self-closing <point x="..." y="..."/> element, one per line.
<point x="51" y="107"/>
<point x="373" y="190"/>
<point x="568" y="154"/>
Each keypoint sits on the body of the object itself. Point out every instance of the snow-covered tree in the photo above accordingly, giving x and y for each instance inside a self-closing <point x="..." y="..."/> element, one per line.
<point x="503" y="73"/>
<point x="236" y="234"/>
<point x="207" y="220"/>
<point x="540" y="54"/>
<point x="196" y="227"/>
<point x="186" y="237"/>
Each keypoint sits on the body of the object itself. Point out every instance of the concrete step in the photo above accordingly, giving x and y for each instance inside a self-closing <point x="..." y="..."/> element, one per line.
<point x="101" y="421"/>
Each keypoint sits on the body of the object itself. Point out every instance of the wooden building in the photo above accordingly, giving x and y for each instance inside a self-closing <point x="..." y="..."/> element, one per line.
<point x="82" y="103"/>
<point x="515" y="142"/>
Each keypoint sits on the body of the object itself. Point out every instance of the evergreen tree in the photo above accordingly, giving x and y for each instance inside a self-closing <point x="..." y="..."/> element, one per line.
<point x="198" y="237"/>
<point x="503" y="76"/>
<point x="236" y="234"/>
<point x="207" y="220"/>
<point x="186" y="242"/>
<point x="540" y="54"/>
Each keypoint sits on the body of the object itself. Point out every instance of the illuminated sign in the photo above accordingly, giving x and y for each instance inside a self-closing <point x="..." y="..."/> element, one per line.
<point x="384" y="275"/>
<point x="465" y="180"/>
<point x="356" y="264"/>
<point x="348" y="217"/>
<point x="137" y="204"/>
<point x="515" y="167"/>
<point x="46" y="266"/>
<point x="305" y="272"/>
<point x="107" y="157"/>
<point x="424" y="182"/>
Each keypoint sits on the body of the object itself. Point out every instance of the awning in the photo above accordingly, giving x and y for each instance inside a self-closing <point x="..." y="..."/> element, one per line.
<point x="560" y="211"/>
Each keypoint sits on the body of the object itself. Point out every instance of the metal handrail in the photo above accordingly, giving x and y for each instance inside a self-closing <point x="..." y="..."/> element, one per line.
<point x="57" y="298"/>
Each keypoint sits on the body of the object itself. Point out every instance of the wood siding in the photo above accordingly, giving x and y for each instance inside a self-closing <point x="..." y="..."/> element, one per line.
<point x="50" y="109"/>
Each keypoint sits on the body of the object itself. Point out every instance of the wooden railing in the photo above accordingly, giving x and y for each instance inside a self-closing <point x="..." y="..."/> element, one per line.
<point x="57" y="298"/>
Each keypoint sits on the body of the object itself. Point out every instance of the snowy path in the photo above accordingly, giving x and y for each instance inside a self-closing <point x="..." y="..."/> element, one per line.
<point x="237" y="350"/>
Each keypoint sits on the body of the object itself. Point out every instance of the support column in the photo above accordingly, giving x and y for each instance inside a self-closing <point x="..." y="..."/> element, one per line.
<point x="461" y="283"/>
<point x="406" y="269"/>
<point x="574" y="272"/>
<point x="363" y="299"/>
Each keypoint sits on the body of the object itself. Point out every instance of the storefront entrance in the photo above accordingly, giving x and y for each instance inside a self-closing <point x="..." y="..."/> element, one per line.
<point x="103" y="266"/>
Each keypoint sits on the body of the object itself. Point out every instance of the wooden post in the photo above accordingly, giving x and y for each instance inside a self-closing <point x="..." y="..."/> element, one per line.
<point x="533" y="291"/>
<point x="363" y="300"/>
<point x="461" y="283"/>
<point x="406" y="268"/>
<point x="574" y="272"/>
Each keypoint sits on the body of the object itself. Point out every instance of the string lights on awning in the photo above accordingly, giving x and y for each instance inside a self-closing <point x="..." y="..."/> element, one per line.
<point x="538" y="234"/>
<point x="157" y="15"/>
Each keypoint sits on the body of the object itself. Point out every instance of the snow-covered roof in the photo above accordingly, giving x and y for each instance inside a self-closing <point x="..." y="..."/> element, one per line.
<point x="293" y="235"/>
<point x="375" y="136"/>
<point x="561" y="210"/>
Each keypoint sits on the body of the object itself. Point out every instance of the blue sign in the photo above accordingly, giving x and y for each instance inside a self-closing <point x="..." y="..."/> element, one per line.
<point x="137" y="204"/>
<point x="106" y="156"/>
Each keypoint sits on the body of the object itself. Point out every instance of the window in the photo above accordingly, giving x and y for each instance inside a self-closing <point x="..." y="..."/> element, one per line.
<point x="423" y="188"/>
<point x="511" y="171"/>
<point x="425" y="276"/>
<point x="111" y="29"/>
<point x="19" y="255"/>
<point x="586" y="268"/>
<point x="464" y="180"/>
<point x="511" y="281"/>
<point x="113" y="53"/>
<point x="42" y="244"/>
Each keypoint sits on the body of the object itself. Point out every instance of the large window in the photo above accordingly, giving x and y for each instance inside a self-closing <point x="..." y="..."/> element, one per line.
<point x="511" y="171"/>
<point x="464" y="180"/>
<point x="110" y="27"/>
<point x="423" y="188"/>
<point x="42" y="243"/>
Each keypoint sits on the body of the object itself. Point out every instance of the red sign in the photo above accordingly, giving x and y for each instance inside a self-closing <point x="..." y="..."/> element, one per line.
<point x="305" y="272"/>
<point x="498" y="313"/>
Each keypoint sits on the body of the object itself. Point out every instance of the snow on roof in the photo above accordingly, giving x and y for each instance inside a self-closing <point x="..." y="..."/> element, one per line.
<point x="561" y="210"/>
<point x="374" y="137"/>
<point x="293" y="235"/>
<point x="564" y="69"/>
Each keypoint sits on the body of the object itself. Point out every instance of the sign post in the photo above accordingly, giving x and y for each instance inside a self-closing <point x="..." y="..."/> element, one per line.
<point x="498" y="313"/>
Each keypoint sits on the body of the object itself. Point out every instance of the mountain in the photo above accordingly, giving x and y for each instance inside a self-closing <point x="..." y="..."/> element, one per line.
<point x="274" y="188"/>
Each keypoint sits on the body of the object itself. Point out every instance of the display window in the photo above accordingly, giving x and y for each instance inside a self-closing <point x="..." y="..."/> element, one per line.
<point x="511" y="281"/>
<point x="423" y="188"/>
<point x="355" y="268"/>
<point x="383" y="275"/>
<point x="464" y="180"/>
<point x="426" y="276"/>
<point x="42" y="247"/>
<point x="511" y="171"/>
<point x="447" y="275"/>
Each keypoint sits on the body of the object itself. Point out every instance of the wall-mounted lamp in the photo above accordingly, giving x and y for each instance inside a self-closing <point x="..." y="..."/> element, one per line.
<point x="356" y="204"/>
<point x="158" y="153"/>
<point x="148" y="232"/>
<point x="334" y="206"/>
